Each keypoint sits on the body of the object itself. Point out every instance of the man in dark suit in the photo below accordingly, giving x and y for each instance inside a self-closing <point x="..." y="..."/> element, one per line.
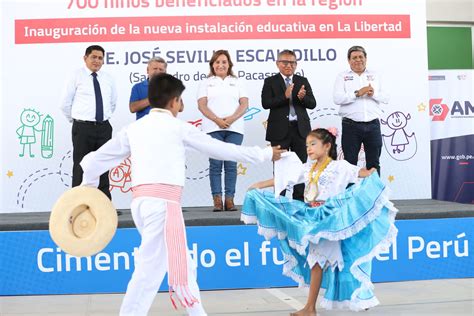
<point x="287" y="96"/>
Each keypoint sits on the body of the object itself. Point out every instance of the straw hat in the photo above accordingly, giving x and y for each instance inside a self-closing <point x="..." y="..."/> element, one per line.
<point x="83" y="221"/>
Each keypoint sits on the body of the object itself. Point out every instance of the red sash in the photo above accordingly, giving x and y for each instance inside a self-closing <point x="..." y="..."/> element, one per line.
<point x="175" y="236"/>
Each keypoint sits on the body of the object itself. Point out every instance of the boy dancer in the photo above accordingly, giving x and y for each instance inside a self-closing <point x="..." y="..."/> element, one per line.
<point x="156" y="145"/>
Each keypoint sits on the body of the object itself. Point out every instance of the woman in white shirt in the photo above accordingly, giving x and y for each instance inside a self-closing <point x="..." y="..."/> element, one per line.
<point x="223" y="101"/>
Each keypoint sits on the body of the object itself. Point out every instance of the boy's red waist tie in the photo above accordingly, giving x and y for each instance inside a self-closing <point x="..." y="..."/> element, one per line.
<point x="175" y="237"/>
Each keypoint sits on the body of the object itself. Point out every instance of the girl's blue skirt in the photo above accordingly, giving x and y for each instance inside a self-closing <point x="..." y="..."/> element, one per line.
<point x="342" y="236"/>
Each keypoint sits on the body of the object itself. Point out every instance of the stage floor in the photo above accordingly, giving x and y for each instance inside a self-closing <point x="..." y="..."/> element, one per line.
<point x="203" y="216"/>
<point x="437" y="297"/>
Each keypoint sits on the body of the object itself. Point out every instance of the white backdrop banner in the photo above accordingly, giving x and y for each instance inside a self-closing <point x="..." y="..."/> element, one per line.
<point x="452" y="134"/>
<point x="44" y="41"/>
<point x="451" y="103"/>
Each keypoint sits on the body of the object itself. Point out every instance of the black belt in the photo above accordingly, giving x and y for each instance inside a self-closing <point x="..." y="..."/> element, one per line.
<point x="293" y="123"/>
<point x="348" y="120"/>
<point x="91" y="122"/>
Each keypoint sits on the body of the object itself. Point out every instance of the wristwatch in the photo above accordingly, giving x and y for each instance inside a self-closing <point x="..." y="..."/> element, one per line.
<point x="356" y="93"/>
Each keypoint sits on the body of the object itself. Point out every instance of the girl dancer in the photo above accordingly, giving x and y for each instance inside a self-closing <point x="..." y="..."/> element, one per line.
<point x="330" y="239"/>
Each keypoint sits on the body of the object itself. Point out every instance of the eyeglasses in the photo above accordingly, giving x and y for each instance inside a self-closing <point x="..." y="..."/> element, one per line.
<point x="287" y="62"/>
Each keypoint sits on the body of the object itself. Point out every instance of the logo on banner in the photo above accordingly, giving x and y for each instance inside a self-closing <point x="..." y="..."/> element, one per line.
<point x="460" y="111"/>
<point x="436" y="78"/>
<point x="439" y="111"/>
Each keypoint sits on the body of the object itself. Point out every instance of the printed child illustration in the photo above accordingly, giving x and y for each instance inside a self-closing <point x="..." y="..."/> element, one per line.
<point x="29" y="119"/>
<point x="399" y="144"/>
<point x="120" y="176"/>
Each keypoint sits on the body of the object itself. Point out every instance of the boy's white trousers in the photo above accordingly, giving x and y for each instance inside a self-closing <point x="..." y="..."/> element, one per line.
<point x="151" y="262"/>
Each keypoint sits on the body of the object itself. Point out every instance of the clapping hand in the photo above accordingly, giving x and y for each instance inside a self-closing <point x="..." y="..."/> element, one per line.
<point x="302" y="93"/>
<point x="370" y="93"/>
<point x="369" y="90"/>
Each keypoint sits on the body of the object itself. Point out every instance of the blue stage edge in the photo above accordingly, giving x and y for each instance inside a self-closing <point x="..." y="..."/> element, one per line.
<point x="228" y="257"/>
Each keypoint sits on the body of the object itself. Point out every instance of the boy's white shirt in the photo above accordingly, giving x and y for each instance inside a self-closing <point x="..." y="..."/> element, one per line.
<point x="158" y="143"/>
<point x="289" y="170"/>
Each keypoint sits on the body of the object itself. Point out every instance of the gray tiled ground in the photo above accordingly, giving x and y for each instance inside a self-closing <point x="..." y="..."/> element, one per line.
<point x="438" y="297"/>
